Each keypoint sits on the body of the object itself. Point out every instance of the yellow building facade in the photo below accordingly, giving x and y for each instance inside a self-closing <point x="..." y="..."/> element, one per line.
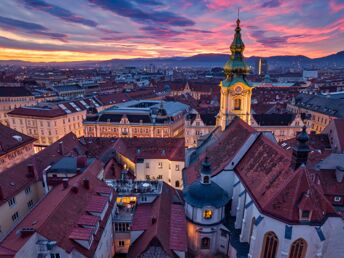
<point x="236" y="92"/>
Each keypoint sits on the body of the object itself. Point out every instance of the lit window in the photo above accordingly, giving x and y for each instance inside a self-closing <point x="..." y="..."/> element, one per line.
<point x="207" y="214"/>
<point x="237" y="104"/>
<point x="205" y="243"/>
<point x="270" y="245"/>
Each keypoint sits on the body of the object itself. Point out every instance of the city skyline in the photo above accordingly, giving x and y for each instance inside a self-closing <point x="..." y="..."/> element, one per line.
<point x="42" y="30"/>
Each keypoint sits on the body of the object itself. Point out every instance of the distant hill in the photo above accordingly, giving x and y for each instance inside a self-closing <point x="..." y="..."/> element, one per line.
<point x="204" y="60"/>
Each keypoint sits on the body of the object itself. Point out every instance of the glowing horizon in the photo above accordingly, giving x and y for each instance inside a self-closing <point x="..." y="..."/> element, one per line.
<point x="96" y="30"/>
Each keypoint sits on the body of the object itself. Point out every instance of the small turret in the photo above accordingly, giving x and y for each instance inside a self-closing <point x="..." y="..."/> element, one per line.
<point x="300" y="152"/>
<point x="205" y="172"/>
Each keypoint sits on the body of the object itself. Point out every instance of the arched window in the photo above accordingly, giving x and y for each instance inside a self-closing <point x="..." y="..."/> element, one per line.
<point x="205" y="243"/>
<point x="298" y="249"/>
<point x="251" y="229"/>
<point x="177" y="184"/>
<point x="237" y="104"/>
<point x="270" y="245"/>
<point x="206" y="179"/>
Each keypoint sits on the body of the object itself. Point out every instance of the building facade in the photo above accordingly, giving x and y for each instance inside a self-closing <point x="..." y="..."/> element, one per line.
<point x="49" y="122"/>
<point x="138" y="118"/>
<point x="14" y="147"/>
<point x="12" y="98"/>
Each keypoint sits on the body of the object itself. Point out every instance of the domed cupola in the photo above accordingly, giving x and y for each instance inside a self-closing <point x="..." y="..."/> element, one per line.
<point x="205" y="198"/>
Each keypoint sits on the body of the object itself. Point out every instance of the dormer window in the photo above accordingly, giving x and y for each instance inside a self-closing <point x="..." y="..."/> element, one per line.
<point x="305" y="215"/>
<point x="207" y="214"/>
<point x="206" y="179"/>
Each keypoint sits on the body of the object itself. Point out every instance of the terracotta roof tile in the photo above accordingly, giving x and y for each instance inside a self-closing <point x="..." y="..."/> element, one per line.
<point x="11" y="139"/>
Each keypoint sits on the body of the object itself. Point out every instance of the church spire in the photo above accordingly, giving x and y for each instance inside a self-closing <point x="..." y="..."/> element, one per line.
<point x="236" y="66"/>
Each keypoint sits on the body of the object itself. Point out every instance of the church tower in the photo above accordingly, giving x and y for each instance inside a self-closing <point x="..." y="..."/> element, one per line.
<point x="235" y="91"/>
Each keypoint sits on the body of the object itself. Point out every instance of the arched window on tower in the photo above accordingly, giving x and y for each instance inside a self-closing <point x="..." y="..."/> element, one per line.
<point x="177" y="184"/>
<point x="270" y="245"/>
<point x="205" y="243"/>
<point x="298" y="249"/>
<point x="237" y="104"/>
<point x="206" y="179"/>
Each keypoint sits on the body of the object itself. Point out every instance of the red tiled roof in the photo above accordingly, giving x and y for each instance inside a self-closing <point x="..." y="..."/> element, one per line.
<point x="57" y="216"/>
<point x="15" y="179"/>
<point x="88" y="220"/>
<point x="81" y="233"/>
<point x="97" y="204"/>
<point x="166" y="216"/>
<point x="339" y="125"/>
<point x="11" y="139"/>
<point x="151" y="148"/>
<point x="222" y="151"/>
<point x="299" y="192"/>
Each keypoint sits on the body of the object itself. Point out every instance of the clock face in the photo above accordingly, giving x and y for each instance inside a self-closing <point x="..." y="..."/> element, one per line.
<point x="238" y="89"/>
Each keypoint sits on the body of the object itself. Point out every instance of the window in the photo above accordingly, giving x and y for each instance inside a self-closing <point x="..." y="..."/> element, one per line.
<point x="121" y="243"/>
<point x="28" y="190"/>
<point x="177" y="167"/>
<point x="206" y="180"/>
<point x="205" y="243"/>
<point x="298" y="249"/>
<point x="270" y="245"/>
<point x="337" y="198"/>
<point x="15" y="216"/>
<point x="160" y="165"/>
<point x="177" y="184"/>
<point x="237" y="104"/>
<point x="57" y="255"/>
<point x="11" y="202"/>
<point x="147" y="164"/>
<point x="122" y="227"/>
<point x="30" y="204"/>
<point x="207" y="214"/>
<point x="159" y="177"/>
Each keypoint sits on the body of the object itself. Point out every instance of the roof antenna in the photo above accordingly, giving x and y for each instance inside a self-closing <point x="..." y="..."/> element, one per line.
<point x="238" y="13"/>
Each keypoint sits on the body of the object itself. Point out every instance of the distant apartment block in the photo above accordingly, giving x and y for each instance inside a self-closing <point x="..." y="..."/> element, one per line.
<point x="14" y="147"/>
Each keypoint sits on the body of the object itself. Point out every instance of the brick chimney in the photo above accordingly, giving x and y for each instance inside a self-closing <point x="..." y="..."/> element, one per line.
<point x="65" y="183"/>
<point x="339" y="174"/>
<point x="81" y="161"/>
<point x="86" y="183"/>
<point x="60" y="148"/>
<point x="32" y="171"/>
<point x="1" y="194"/>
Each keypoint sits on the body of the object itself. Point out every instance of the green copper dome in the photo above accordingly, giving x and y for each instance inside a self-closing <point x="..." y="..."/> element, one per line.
<point x="236" y="66"/>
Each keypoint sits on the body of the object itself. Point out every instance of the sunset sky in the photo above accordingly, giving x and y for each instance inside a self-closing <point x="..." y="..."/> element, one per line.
<point x="71" y="30"/>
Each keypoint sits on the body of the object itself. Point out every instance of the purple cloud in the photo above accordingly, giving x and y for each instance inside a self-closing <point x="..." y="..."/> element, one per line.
<point x="272" y="41"/>
<point x="133" y="10"/>
<point x="29" y="27"/>
<point x="58" y="12"/>
<point x="271" y="4"/>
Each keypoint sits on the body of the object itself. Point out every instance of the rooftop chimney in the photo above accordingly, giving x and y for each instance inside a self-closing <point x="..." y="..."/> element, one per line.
<point x="86" y="183"/>
<point x="60" y="149"/>
<point x="65" y="183"/>
<point x="81" y="161"/>
<point x="1" y="194"/>
<point x="32" y="172"/>
<point x="75" y="189"/>
<point x="339" y="174"/>
<point x="300" y="152"/>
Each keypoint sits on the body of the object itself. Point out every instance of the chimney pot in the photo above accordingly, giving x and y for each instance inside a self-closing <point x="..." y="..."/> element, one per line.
<point x="1" y="194"/>
<point x="86" y="183"/>
<point x="60" y="148"/>
<point x="81" y="161"/>
<point x="65" y="183"/>
<point x="75" y="189"/>
<point x="339" y="174"/>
